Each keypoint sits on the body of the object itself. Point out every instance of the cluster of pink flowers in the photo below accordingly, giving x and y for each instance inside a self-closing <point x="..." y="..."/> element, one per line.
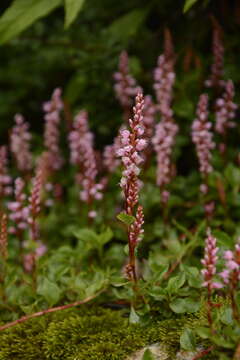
<point x="132" y="144"/>
<point x="19" y="211"/>
<point x="202" y="136"/>
<point x="110" y="154"/>
<point x="3" y="237"/>
<point x="163" y="143"/>
<point x="164" y="78"/>
<point x="126" y="87"/>
<point x="215" y="79"/>
<point x="149" y="113"/>
<point x="232" y="265"/>
<point x="24" y="216"/>
<point x="136" y="229"/>
<point x="43" y="163"/>
<point x="209" y="208"/>
<point x="29" y="260"/>
<point x="209" y="262"/>
<point x="5" y="179"/>
<point x="20" y="144"/>
<point x="80" y="138"/>
<point x="52" y="118"/>
<point x="83" y="155"/>
<point x="35" y="203"/>
<point x="166" y="131"/>
<point x="110" y="159"/>
<point x="225" y="109"/>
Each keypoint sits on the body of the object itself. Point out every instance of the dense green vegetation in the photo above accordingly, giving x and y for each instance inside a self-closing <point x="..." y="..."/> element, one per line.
<point x="68" y="232"/>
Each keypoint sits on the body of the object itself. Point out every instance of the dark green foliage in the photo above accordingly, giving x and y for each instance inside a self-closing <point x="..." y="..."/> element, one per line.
<point x="83" y="58"/>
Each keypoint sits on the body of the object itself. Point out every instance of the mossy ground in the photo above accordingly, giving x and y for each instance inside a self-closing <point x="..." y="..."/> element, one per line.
<point x="92" y="333"/>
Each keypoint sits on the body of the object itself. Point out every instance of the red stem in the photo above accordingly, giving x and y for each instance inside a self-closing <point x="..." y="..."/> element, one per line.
<point x="203" y="353"/>
<point x="209" y="309"/>
<point x="50" y="310"/>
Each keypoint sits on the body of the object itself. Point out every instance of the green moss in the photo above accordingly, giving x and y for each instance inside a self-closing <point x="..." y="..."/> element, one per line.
<point x="88" y="333"/>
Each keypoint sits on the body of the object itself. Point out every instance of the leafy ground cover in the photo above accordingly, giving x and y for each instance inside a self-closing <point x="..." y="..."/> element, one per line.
<point x="148" y="223"/>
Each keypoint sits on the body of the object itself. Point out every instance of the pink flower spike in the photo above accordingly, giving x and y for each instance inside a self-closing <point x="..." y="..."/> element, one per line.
<point x="217" y="285"/>
<point x="82" y="155"/>
<point x="225" y="110"/>
<point x="52" y="118"/>
<point x="19" y="210"/>
<point x="209" y="262"/>
<point x="165" y="131"/>
<point x="228" y="255"/>
<point x="131" y="158"/>
<point x="225" y="276"/>
<point x="5" y="179"/>
<point x="20" y="144"/>
<point x="215" y="79"/>
<point x="164" y="78"/>
<point x="125" y="87"/>
<point x="202" y="136"/>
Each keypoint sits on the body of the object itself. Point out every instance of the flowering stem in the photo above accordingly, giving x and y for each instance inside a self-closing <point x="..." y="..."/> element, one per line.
<point x="209" y="308"/>
<point x="234" y="304"/>
<point x="132" y="144"/>
<point x="132" y="258"/>
<point x="209" y="271"/>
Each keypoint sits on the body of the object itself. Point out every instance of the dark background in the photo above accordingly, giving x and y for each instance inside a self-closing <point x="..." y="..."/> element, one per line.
<point x="83" y="58"/>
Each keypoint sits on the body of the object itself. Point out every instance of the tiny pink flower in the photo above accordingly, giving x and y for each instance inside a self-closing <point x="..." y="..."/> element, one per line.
<point x="228" y="255"/>
<point x="209" y="262"/>
<point x="92" y="214"/>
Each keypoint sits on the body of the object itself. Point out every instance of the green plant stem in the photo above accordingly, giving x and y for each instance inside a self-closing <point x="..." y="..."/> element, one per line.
<point x="50" y="310"/>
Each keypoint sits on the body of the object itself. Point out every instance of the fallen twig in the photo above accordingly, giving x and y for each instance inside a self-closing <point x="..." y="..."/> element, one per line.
<point x="203" y="353"/>
<point x="50" y="310"/>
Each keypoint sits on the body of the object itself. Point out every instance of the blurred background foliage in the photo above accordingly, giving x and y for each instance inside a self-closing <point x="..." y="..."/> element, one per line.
<point x="78" y="51"/>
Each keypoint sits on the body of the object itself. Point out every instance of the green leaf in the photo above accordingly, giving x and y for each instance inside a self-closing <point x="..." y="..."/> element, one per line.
<point x="148" y="355"/>
<point x="50" y="291"/>
<point x="158" y="270"/>
<point x="87" y="236"/>
<point x="118" y="281"/>
<point x="125" y="218"/>
<point x="183" y="229"/>
<point x="23" y="13"/>
<point x="226" y="316"/>
<point x="175" y="283"/>
<point x="222" y="342"/>
<point x="187" y="340"/>
<point x="72" y="9"/>
<point x="157" y="292"/>
<point x="223" y="238"/>
<point x="105" y="236"/>
<point x="203" y="332"/>
<point x="232" y="174"/>
<point x="133" y="317"/>
<point x="186" y="305"/>
<point x="127" y="25"/>
<point x="29" y="309"/>
<point x="193" y="276"/>
<point x="188" y="4"/>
